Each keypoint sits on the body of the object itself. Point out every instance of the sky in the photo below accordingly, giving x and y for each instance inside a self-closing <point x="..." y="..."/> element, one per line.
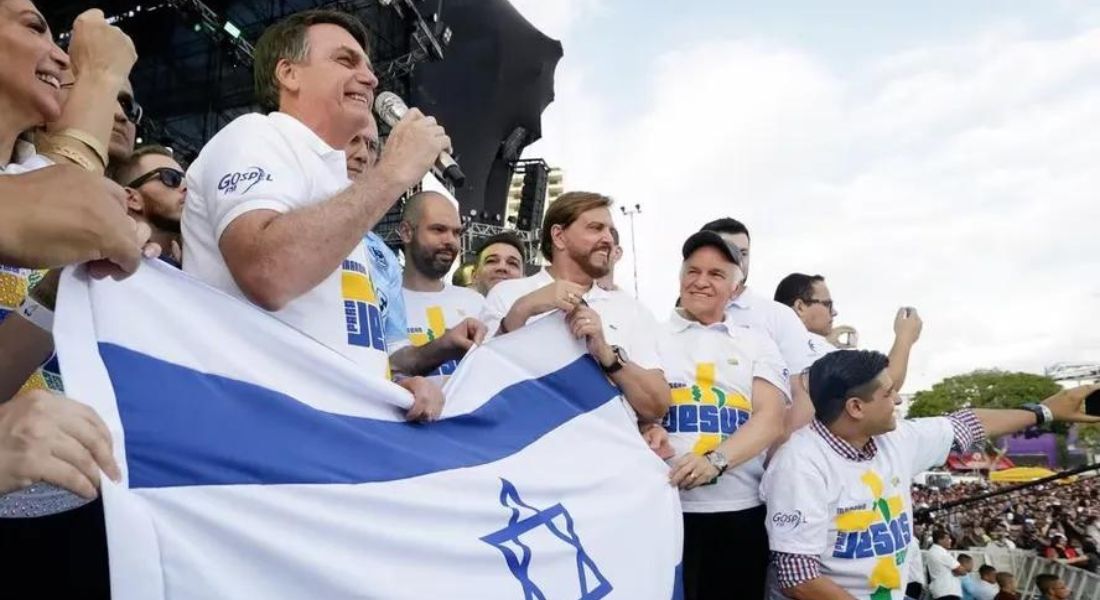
<point x="941" y="154"/>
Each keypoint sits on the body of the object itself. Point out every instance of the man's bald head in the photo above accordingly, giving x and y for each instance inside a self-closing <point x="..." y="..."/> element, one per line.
<point x="431" y="230"/>
<point x="426" y="201"/>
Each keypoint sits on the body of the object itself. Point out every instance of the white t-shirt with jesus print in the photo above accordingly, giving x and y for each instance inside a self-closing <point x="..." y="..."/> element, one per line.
<point x="430" y="314"/>
<point x="274" y="162"/>
<point x="711" y="371"/>
<point x="855" y="516"/>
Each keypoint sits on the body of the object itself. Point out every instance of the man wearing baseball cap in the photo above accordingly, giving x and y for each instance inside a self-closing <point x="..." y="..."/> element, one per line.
<point x="728" y="397"/>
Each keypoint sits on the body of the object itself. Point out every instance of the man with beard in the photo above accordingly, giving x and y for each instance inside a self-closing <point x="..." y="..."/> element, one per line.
<point x="619" y="331"/>
<point x="607" y="282"/>
<point x="430" y="229"/>
<point x="155" y="193"/>
<point x="405" y="360"/>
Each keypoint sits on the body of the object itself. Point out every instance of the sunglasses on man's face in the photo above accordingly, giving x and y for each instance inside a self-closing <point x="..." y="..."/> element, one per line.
<point x="131" y="109"/>
<point x="168" y="176"/>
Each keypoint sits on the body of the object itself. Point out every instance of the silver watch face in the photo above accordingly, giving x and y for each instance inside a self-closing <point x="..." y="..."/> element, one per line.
<point x="621" y="354"/>
<point x="717" y="459"/>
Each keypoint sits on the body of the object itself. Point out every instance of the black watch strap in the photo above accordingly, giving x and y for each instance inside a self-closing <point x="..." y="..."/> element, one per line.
<point x="617" y="364"/>
<point x="1042" y="413"/>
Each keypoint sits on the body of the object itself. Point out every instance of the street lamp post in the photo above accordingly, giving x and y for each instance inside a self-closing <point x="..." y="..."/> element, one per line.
<point x="630" y="212"/>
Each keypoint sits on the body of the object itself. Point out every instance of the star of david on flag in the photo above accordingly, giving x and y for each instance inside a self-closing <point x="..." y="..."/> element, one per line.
<point x="259" y="464"/>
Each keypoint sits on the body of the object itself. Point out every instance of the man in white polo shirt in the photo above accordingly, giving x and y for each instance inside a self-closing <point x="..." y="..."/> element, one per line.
<point x="838" y="491"/>
<point x="944" y="570"/>
<point x="810" y="299"/>
<point x="430" y="229"/>
<point x="272" y="216"/>
<point x="764" y="315"/>
<point x="621" y="334"/>
<point x="727" y="409"/>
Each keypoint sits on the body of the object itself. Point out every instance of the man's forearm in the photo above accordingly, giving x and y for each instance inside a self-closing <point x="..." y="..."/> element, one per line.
<point x="294" y="252"/>
<point x="421" y="360"/>
<point x="1001" y="421"/>
<point x="801" y="410"/>
<point x="818" y="588"/>
<point x="761" y="431"/>
<point x="645" y="389"/>
<point x="517" y="317"/>
<point x="899" y="362"/>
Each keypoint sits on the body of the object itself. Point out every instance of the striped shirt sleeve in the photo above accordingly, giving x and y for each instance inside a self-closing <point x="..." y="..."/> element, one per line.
<point x="794" y="569"/>
<point x="968" y="429"/>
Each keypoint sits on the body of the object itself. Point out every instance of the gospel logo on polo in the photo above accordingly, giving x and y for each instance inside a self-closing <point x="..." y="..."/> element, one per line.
<point x="788" y="521"/>
<point x="247" y="178"/>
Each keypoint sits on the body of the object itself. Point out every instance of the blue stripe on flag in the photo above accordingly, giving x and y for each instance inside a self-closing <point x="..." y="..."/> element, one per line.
<point x="184" y="427"/>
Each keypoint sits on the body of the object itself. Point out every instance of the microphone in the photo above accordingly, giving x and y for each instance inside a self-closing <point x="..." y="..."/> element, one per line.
<point x="390" y="108"/>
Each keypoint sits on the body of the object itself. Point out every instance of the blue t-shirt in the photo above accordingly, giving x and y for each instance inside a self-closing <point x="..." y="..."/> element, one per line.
<point x="385" y="272"/>
<point x="968" y="585"/>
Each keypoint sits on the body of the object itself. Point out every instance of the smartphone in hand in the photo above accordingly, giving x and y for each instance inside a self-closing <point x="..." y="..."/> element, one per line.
<point x="1092" y="404"/>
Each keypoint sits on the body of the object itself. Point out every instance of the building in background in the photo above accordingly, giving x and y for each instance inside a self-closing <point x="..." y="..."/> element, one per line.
<point x="555" y="186"/>
<point x="1074" y="374"/>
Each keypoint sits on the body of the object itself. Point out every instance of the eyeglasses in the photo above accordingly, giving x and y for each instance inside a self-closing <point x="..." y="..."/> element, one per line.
<point x="131" y="109"/>
<point x="828" y="304"/>
<point x="167" y="175"/>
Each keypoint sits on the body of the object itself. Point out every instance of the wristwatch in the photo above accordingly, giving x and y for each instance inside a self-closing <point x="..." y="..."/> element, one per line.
<point x="1043" y="415"/>
<point x="717" y="460"/>
<point x="617" y="364"/>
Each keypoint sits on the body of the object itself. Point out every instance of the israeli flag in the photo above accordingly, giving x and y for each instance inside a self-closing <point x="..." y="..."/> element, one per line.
<point x="258" y="463"/>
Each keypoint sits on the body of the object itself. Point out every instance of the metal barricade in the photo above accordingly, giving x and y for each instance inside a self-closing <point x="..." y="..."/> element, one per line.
<point x="1025" y="565"/>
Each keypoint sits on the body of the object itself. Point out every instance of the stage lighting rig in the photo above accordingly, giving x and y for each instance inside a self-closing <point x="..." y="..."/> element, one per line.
<point x="429" y="38"/>
<point x="218" y="29"/>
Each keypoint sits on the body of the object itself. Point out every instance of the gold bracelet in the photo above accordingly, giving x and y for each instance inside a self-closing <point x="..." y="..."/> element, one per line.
<point x="88" y="140"/>
<point x="72" y="155"/>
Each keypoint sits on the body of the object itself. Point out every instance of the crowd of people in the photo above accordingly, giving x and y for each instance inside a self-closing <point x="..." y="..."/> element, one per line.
<point x="953" y="577"/>
<point x="786" y="451"/>
<point x="1058" y="521"/>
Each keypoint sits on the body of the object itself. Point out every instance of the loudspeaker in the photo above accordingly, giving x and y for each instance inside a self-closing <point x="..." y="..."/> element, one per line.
<point x="532" y="198"/>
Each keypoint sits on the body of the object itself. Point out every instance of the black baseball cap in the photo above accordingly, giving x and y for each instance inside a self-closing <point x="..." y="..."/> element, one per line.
<point x="703" y="238"/>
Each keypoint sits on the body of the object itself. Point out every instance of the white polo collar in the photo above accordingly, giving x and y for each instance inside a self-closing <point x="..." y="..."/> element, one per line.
<point x="298" y="130"/>
<point x="679" y="321"/>
<point x="744" y="300"/>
